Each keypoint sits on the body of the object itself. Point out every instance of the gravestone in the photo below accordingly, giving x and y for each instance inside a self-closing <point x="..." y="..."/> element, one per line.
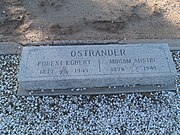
<point x="96" y="69"/>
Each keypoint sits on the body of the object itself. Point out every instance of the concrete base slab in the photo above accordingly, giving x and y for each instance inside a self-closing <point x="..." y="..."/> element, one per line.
<point x="94" y="91"/>
<point x="10" y="48"/>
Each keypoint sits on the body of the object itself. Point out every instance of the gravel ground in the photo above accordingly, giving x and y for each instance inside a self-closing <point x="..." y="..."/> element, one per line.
<point x="134" y="113"/>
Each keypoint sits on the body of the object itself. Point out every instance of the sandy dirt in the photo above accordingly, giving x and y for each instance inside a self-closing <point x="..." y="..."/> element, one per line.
<point x="44" y="20"/>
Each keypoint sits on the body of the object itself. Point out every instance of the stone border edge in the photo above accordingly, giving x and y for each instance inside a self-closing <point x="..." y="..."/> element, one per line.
<point x="16" y="48"/>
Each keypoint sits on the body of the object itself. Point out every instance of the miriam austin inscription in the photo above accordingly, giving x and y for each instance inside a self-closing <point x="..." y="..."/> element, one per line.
<point x="62" y="67"/>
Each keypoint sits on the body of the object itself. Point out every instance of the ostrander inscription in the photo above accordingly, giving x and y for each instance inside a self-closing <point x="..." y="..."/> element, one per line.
<point x="96" y="60"/>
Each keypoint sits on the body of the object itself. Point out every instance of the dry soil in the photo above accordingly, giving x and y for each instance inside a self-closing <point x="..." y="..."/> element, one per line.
<point x="44" y="20"/>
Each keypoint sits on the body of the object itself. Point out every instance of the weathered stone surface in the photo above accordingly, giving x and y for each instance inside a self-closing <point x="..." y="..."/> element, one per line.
<point x="70" y="67"/>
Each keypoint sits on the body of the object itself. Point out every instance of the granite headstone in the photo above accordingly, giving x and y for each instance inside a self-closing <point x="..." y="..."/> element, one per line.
<point x="96" y="69"/>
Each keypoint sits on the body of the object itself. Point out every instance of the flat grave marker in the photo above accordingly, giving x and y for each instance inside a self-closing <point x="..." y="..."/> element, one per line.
<point x="96" y="69"/>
